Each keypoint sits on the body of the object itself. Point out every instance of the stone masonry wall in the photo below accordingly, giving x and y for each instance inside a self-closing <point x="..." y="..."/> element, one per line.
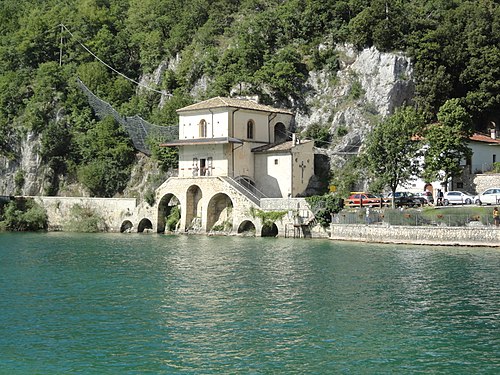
<point x="465" y="236"/>
<point x="486" y="181"/>
<point x="113" y="210"/>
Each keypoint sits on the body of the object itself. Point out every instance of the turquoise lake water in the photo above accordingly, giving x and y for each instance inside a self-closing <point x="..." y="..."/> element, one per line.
<point x="151" y="304"/>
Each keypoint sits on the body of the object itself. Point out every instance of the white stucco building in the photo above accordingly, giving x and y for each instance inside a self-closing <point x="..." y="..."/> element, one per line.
<point x="246" y="141"/>
<point x="485" y="151"/>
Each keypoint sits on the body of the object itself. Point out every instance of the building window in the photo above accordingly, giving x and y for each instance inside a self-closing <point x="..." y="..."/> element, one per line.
<point x="250" y="125"/>
<point x="494" y="158"/>
<point x="203" y="129"/>
<point x="276" y="161"/>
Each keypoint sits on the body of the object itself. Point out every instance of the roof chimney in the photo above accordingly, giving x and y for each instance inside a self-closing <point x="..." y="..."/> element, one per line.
<point x="493" y="130"/>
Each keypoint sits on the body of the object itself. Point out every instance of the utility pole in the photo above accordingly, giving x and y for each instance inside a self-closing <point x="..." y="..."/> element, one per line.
<point x="61" y="46"/>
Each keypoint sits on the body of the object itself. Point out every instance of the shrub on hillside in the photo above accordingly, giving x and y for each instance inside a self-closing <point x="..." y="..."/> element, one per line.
<point x="23" y="215"/>
<point x="85" y="219"/>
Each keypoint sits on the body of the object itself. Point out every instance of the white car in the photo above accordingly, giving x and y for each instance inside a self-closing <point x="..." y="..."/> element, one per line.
<point x="457" y="197"/>
<point x="489" y="196"/>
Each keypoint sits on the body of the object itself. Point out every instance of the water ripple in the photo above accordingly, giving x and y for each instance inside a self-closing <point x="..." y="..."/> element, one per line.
<point x="134" y="304"/>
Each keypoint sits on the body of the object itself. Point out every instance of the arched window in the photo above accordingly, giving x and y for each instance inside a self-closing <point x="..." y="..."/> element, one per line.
<point x="203" y="129"/>
<point x="280" y="133"/>
<point x="250" y="129"/>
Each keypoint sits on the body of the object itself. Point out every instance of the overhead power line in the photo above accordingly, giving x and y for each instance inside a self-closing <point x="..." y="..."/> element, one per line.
<point x="107" y="65"/>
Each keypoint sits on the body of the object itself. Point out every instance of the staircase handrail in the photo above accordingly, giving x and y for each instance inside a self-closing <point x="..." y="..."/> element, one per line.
<point x="244" y="190"/>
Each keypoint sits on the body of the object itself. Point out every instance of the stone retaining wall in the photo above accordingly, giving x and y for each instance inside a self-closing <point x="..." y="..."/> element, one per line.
<point x="485" y="181"/>
<point x="449" y="236"/>
<point x="113" y="210"/>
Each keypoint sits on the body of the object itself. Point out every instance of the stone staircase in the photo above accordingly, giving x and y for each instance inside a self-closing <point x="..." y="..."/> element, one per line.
<point x="250" y="192"/>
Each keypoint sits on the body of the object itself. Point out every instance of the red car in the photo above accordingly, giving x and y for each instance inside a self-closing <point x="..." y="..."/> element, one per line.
<point x="363" y="199"/>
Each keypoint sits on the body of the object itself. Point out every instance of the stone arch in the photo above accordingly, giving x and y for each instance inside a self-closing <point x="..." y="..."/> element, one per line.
<point x="219" y="211"/>
<point x="193" y="214"/>
<point x="269" y="230"/>
<point x="144" y="224"/>
<point x="168" y="205"/>
<point x="246" y="227"/>
<point x="126" y="226"/>
<point x="280" y="133"/>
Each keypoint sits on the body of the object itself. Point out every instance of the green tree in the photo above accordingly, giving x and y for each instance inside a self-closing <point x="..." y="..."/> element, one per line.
<point x="284" y="73"/>
<point x="107" y="156"/>
<point x="24" y="215"/>
<point x="346" y="177"/>
<point x="320" y="134"/>
<point x="391" y="150"/>
<point x="324" y="206"/>
<point x="168" y="157"/>
<point x="446" y="143"/>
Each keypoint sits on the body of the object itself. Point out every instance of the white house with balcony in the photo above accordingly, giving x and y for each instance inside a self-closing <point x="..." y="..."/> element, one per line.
<point x="246" y="141"/>
<point x="237" y="157"/>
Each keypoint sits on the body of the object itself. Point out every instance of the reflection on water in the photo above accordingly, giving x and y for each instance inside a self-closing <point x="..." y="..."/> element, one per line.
<point x="161" y="304"/>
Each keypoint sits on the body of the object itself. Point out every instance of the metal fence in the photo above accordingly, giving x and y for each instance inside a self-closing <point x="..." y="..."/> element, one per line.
<point x="412" y="218"/>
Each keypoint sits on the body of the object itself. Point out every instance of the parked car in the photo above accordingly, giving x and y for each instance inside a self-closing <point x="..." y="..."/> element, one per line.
<point x="403" y="198"/>
<point x="489" y="196"/>
<point x="364" y="199"/>
<point x="457" y="197"/>
<point x="418" y="199"/>
<point x="427" y="195"/>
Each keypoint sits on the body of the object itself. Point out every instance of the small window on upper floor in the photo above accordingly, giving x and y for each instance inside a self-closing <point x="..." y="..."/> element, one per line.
<point x="250" y="125"/>
<point x="202" y="129"/>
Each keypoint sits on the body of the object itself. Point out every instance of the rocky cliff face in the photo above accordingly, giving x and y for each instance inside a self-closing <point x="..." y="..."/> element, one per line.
<point x="25" y="174"/>
<point x="368" y="86"/>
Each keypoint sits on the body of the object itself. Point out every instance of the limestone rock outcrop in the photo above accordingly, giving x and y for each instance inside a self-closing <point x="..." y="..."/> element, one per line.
<point x="368" y="86"/>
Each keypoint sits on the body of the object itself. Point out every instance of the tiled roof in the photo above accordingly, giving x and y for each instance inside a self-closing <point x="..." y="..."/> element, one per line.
<point x="476" y="137"/>
<point x="279" y="147"/>
<point x="480" y="137"/>
<point x="220" y="102"/>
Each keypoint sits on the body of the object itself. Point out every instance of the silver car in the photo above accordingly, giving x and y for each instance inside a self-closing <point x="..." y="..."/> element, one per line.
<point x="457" y="197"/>
<point x="489" y="196"/>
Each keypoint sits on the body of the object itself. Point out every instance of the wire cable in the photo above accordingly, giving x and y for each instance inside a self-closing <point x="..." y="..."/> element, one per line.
<point x="109" y="66"/>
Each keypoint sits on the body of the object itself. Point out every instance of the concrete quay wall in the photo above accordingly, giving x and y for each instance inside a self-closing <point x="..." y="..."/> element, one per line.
<point x="447" y="236"/>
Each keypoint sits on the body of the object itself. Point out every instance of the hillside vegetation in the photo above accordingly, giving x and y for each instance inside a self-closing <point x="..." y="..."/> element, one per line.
<point x="208" y="48"/>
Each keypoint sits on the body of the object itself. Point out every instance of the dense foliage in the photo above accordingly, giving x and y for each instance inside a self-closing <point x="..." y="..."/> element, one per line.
<point x="447" y="143"/>
<point x="391" y="149"/>
<point x="106" y="158"/>
<point x="22" y="215"/>
<point x="264" y="47"/>
<point x="84" y="219"/>
<point x="324" y="207"/>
